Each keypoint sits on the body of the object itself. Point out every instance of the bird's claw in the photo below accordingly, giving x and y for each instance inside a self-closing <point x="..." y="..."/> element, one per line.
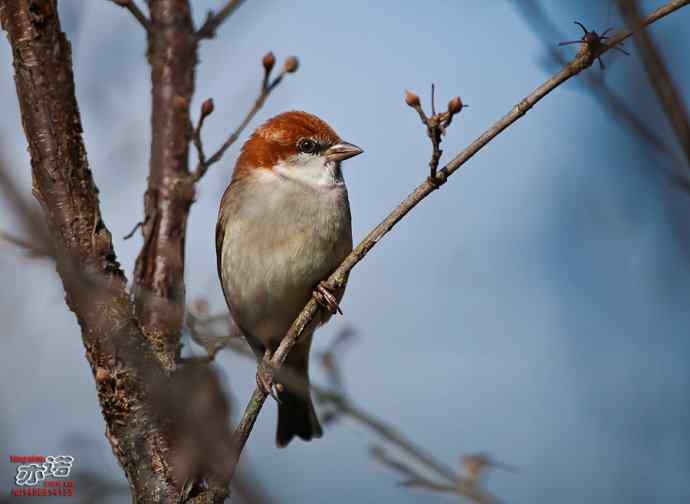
<point x="325" y="298"/>
<point x="264" y="379"/>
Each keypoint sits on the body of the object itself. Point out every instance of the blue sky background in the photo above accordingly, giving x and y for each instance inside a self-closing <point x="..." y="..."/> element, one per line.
<point x="535" y="308"/>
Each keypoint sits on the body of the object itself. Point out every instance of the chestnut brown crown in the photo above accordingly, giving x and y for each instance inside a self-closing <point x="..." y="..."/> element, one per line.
<point x="285" y="136"/>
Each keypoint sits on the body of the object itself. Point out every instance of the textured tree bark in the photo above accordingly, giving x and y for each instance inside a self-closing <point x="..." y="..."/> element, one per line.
<point x="159" y="271"/>
<point x="94" y="284"/>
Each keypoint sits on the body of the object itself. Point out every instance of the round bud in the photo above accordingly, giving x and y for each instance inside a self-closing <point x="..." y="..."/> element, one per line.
<point x="455" y="105"/>
<point x="207" y="107"/>
<point x="291" y="64"/>
<point x="268" y="61"/>
<point x="411" y="99"/>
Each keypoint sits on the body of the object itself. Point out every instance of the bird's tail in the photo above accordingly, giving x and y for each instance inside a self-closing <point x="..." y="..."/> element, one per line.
<point x="296" y="415"/>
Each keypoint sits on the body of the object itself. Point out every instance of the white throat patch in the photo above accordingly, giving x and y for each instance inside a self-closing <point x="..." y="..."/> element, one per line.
<point x="311" y="170"/>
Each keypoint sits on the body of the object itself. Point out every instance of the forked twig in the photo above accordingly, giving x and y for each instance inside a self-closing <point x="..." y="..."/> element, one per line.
<point x="436" y="125"/>
<point x="213" y="21"/>
<point x="132" y="7"/>
<point x="267" y="86"/>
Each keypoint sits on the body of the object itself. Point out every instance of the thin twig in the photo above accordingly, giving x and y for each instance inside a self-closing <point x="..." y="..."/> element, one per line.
<point x="436" y="124"/>
<point x="267" y="86"/>
<point x="136" y="12"/>
<point x="659" y="75"/>
<point x="612" y="103"/>
<point x="134" y="229"/>
<point x="582" y="61"/>
<point x="413" y="479"/>
<point x="213" y="21"/>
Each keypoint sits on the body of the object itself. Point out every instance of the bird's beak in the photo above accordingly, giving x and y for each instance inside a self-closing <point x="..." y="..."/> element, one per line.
<point x="342" y="151"/>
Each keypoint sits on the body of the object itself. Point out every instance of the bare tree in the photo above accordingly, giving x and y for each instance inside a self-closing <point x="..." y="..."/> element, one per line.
<point x="133" y="336"/>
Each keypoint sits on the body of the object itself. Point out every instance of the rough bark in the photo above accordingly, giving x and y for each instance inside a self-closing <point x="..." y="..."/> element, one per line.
<point x="94" y="284"/>
<point x="159" y="271"/>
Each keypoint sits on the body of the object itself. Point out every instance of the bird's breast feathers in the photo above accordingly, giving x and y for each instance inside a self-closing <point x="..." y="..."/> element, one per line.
<point x="279" y="239"/>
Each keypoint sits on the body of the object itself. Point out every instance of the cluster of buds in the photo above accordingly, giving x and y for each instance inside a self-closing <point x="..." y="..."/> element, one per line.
<point x="290" y="65"/>
<point x="436" y="125"/>
<point x="437" y="120"/>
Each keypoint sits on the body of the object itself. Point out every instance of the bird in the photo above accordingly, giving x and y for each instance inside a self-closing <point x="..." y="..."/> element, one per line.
<point x="284" y="225"/>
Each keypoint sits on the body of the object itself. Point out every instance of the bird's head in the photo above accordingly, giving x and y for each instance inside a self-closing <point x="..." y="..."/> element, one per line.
<point x="298" y="146"/>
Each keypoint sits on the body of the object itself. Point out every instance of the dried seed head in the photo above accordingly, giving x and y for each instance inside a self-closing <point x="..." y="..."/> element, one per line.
<point x="291" y="64"/>
<point x="455" y="105"/>
<point x="268" y="61"/>
<point x="207" y="107"/>
<point x="411" y="99"/>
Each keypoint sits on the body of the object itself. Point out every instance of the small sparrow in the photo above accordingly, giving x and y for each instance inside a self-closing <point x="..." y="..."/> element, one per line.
<point x="283" y="227"/>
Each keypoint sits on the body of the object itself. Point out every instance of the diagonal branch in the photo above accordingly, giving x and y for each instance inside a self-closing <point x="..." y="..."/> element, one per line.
<point x="213" y="21"/>
<point x="583" y="60"/>
<point x="611" y="102"/>
<point x="134" y="9"/>
<point x="659" y="75"/>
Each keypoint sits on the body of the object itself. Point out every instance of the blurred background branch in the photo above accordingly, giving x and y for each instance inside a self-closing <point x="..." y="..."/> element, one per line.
<point x="659" y="76"/>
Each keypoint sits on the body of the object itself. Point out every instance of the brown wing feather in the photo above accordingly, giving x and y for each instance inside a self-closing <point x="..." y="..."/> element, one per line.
<point x="220" y="235"/>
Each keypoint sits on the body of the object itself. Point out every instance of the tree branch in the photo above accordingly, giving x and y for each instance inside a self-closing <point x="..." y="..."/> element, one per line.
<point x="159" y="271"/>
<point x="659" y="76"/>
<point x="611" y="102"/>
<point x="583" y="60"/>
<point x="94" y="284"/>
<point x="132" y="7"/>
<point x="213" y="21"/>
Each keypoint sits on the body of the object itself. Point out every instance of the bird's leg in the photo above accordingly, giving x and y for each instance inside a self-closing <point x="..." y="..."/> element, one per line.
<point x="325" y="298"/>
<point x="264" y="376"/>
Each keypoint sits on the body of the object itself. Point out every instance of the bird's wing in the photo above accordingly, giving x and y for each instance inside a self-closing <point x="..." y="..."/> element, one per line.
<point x="220" y="236"/>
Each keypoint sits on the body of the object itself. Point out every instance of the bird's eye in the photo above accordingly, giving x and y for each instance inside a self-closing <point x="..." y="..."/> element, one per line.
<point x="307" y="145"/>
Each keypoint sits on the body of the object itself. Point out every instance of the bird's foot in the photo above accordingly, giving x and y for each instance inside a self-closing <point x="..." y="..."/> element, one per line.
<point x="264" y="377"/>
<point x="325" y="298"/>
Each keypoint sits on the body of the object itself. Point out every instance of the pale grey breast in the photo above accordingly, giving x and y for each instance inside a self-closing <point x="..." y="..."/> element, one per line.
<point x="279" y="242"/>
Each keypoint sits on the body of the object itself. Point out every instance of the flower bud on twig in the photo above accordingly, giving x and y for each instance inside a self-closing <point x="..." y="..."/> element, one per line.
<point x="455" y="105"/>
<point x="411" y="99"/>
<point x="268" y="61"/>
<point x="207" y="107"/>
<point x="291" y="64"/>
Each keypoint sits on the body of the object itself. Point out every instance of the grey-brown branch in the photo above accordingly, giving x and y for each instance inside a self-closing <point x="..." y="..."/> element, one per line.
<point x="583" y="60"/>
